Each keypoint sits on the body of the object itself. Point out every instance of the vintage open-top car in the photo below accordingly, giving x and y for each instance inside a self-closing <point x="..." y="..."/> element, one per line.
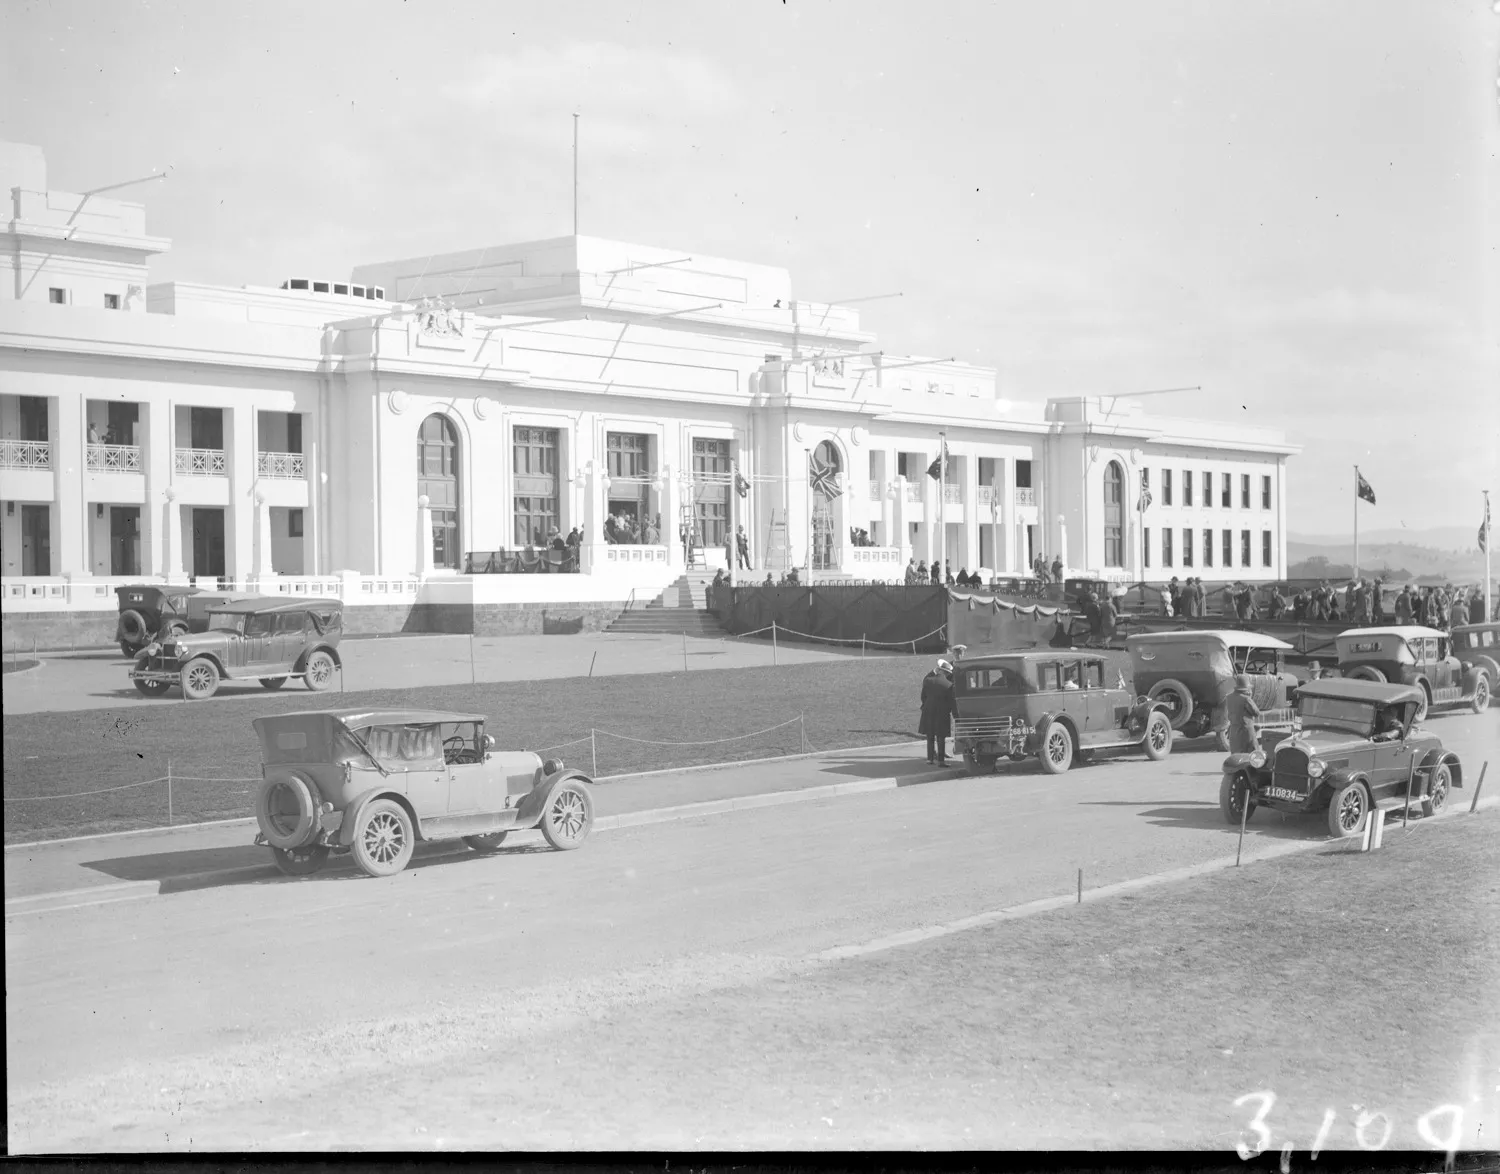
<point x="1413" y="655"/>
<point x="1356" y="744"/>
<point x="1193" y="674"/>
<point x="372" y="783"/>
<point x="155" y="611"/>
<point x="1055" y="705"/>
<point x="272" y="640"/>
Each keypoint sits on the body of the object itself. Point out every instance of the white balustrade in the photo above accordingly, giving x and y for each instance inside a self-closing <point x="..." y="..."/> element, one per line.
<point x="875" y="491"/>
<point x="281" y="466"/>
<point x="201" y="462"/>
<point x="952" y="494"/>
<point x="986" y="494"/>
<point x="1026" y="496"/>
<point x="113" y="458"/>
<point x="914" y="491"/>
<point x="25" y="454"/>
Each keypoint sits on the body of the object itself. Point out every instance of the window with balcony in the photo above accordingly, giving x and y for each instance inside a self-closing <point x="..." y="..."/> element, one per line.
<point x="711" y="489"/>
<point x="203" y="456"/>
<point x="535" y="485"/>
<point x="279" y="445"/>
<point x="1114" y="515"/>
<point x="114" y="448"/>
<point x="31" y="449"/>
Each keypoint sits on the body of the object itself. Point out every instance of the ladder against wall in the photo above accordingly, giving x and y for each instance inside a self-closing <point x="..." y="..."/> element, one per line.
<point x="693" y="547"/>
<point x="778" y="553"/>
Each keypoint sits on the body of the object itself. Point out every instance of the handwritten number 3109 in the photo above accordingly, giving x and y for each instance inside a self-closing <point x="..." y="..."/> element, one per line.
<point x="1366" y="1132"/>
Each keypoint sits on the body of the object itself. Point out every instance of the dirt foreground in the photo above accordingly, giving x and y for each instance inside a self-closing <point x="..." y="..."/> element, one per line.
<point x="1347" y="999"/>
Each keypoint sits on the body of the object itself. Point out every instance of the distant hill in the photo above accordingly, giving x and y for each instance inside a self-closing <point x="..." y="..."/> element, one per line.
<point x="1438" y="537"/>
<point x="1398" y="560"/>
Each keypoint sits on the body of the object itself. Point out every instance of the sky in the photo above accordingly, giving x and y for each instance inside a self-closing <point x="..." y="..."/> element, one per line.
<point x="1292" y="204"/>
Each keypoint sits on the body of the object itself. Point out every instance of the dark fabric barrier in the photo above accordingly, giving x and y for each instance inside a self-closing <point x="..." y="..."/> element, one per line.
<point x="879" y="613"/>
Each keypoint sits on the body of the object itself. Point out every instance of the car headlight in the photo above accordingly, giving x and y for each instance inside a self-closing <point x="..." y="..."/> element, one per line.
<point x="1258" y="758"/>
<point x="1315" y="769"/>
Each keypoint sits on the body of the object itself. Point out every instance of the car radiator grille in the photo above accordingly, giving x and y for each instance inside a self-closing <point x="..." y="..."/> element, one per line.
<point x="1291" y="769"/>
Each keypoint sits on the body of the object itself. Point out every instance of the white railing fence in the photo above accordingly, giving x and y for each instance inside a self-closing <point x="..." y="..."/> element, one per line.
<point x="113" y="458"/>
<point x="25" y="454"/>
<point x="201" y="462"/>
<point x="283" y="466"/>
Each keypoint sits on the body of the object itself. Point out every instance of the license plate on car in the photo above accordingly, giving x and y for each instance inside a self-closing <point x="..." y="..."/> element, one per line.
<point x="1286" y="793"/>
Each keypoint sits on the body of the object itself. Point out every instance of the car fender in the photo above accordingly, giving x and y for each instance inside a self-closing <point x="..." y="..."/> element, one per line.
<point x="529" y="810"/>
<point x="1335" y="780"/>
<point x="218" y="662"/>
<point x="1239" y="762"/>
<point x="1435" y="758"/>
<point x="301" y="663"/>
<point x="1039" y="734"/>
<point x="1490" y="666"/>
<point x="1469" y="675"/>
<point x="354" y="810"/>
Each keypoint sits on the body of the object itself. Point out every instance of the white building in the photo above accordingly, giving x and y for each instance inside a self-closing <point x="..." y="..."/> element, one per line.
<point x="355" y="427"/>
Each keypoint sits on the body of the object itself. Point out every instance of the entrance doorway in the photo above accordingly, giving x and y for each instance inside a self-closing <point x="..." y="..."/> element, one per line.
<point x="208" y="543"/>
<point x="125" y="540"/>
<point x="36" y="540"/>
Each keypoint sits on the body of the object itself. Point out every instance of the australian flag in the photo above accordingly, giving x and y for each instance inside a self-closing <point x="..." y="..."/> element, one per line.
<point x="1362" y="487"/>
<point x="741" y="486"/>
<point x="935" y="470"/>
<point x="1484" y="528"/>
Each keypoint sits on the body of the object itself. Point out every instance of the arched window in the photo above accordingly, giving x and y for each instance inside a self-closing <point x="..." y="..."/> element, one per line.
<point x="1114" y="515"/>
<point x="437" y="477"/>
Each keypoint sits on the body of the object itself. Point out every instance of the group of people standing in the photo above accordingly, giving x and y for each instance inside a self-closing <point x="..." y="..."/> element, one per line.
<point x="1441" y="607"/>
<point x="1052" y="573"/>
<point x="918" y="573"/>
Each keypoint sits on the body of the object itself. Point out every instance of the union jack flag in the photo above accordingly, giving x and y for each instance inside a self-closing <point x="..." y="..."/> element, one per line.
<point x="1145" y="502"/>
<point x="741" y="486"/>
<point x="1484" y="530"/>
<point x="824" y="478"/>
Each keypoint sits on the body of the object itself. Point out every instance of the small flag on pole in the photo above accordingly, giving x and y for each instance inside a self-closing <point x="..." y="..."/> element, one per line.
<point x="1484" y="528"/>
<point x="741" y="486"/>
<point x="935" y="470"/>
<point x="1145" y="503"/>
<point x="1362" y="487"/>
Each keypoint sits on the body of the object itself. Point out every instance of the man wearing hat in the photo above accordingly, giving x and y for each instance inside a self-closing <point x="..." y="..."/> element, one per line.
<point x="938" y="710"/>
<point x="1241" y="711"/>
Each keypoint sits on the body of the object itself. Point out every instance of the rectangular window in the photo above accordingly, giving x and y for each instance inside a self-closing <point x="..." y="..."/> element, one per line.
<point x="1146" y="545"/>
<point x="1046" y="678"/>
<point x="206" y="427"/>
<point x="1208" y="490"/>
<point x="534" y="484"/>
<point x="294" y="432"/>
<point x="1265" y="548"/>
<point x="1187" y="487"/>
<point x="1244" y="491"/>
<point x="33" y="412"/>
<point x="1166" y="546"/>
<point x="535" y="518"/>
<point x="58" y="297"/>
<point x="1166" y="487"/>
<point x="901" y="465"/>
<point x="1093" y="675"/>
<point x="1023" y="474"/>
<point x="1225" y="491"/>
<point x="629" y="454"/>
<point x="535" y="452"/>
<point x="294" y="523"/>
<point x="1244" y="548"/>
<point x="111" y="301"/>
<point x="1228" y="548"/>
<point x="1208" y="547"/>
<point x="710" y="489"/>
<point x="1187" y="546"/>
<point x="1265" y="493"/>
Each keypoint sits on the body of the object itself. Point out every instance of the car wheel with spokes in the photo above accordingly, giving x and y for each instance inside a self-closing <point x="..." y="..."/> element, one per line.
<point x="318" y="674"/>
<point x="1348" y="810"/>
<point x="384" y="839"/>
<point x="1234" y="793"/>
<point x="568" y="817"/>
<point x="1481" y="700"/>
<point x="1158" y="739"/>
<point x="200" y="679"/>
<point x="1423" y="705"/>
<point x="1057" y="749"/>
<point x="1437" y="791"/>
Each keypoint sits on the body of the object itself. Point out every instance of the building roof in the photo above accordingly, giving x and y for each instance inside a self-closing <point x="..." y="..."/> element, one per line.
<point x="1230" y="636"/>
<point x="260" y="604"/>
<point x="1405" y="631"/>
<point x="1375" y="692"/>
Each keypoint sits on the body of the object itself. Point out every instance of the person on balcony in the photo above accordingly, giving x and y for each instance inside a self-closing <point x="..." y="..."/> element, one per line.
<point x="93" y="433"/>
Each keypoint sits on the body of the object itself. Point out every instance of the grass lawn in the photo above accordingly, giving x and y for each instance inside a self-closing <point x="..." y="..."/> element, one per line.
<point x="847" y="703"/>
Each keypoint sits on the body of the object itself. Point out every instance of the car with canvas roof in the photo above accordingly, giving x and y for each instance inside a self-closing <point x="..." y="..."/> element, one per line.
<point x="373" y="783"/>
<point x="1479" y="645"/>
<point x="1059" y="706"/>
<point x="161" y="611"/>
<point x="1356" y="745"/>
<point x="272" y="640"/>
<point x="1193" y="673"/>
<point x="1417" y="656"/>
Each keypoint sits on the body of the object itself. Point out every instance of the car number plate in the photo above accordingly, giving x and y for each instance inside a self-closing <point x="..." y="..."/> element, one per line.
<point x="1286" y="793"/>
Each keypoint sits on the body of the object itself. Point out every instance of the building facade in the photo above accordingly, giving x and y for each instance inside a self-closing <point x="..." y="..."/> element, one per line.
<point x="423" y="412"/>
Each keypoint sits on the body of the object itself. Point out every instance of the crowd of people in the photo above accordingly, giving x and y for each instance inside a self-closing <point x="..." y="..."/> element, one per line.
<point x="918" y="573"/>
<point x="628" y="530"/>
<point x="1362" y="603"/>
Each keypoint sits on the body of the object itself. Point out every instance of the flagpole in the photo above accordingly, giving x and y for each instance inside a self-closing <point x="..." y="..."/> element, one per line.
<point x="942" y="505"/>
<point x="1488" y="613"/>
<point x="1356" y="522"/>
<point x="732" y="541"/>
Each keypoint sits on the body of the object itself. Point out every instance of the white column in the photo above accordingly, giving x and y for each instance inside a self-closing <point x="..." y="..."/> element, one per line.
<point x="262" y="535"/>
<point x="174" y="558"/>
<point x="239" y="521"/>
<point x="66" y="432"/>
<point x="424" y="536"/>
<point x="671" y="496"/>
<point x="896" y="497"/>
<point x="1062" y="541"/>
<point x="969" y="491"/>
<point x="591" y="549"/>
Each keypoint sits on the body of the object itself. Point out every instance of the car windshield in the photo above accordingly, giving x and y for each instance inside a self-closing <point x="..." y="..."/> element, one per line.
<point x="1337" y="713"/>
<point x="226" y="622"/>
<point x="407" y="747"/>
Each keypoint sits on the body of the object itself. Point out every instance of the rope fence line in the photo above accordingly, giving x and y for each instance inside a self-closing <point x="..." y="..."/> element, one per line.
<point x="862" y="641"/>
<point x="81" y="794"/>
<point x="711" y="742"/>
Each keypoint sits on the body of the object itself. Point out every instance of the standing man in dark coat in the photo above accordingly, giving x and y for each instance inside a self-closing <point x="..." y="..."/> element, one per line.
<point x="742" y="548"/>
<point x="1057" y="570"/>
<point x="939" y="708"/>
<point x="1174" y="591"/>
<point x="1241" y="711"/>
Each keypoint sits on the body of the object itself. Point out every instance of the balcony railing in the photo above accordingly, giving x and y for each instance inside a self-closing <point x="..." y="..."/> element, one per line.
<point x="201" y="462"/>
<point x="113" y="458"/>
<point x="986" y="494"/>
<point x="953" y="494"/>
<point x="875" y="494"/>
<point x="25" y="454"/>
<point x="1026" y="497"/>
<point x="913" y="491"/>
<point x="281" y="466"/>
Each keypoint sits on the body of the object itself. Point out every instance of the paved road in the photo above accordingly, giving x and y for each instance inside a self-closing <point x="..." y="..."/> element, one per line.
<point x="265" y="984"/>
<point x="97" y="679"/>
